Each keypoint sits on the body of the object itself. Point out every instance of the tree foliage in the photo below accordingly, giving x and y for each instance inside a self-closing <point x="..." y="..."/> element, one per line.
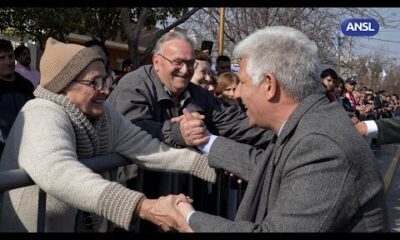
<point x="129" y="23"/>
<point x="320" y="24"/>
<point x="103" y="23"/>
<point x="40" y="23"/>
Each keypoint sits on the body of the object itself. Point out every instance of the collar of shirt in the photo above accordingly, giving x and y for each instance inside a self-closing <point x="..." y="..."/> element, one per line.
<point x="22" y="67"/>
<point x="280" y="129"/>
<point x="163" y="92"/>
<point x="181" y="99"/>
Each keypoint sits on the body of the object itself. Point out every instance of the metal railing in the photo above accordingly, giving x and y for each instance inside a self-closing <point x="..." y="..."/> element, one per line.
<point x="18" y="178"/>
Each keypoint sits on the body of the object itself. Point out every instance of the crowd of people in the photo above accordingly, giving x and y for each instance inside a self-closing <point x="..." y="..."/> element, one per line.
<point x="361" y="103"/>
<point x="284" y="129"/>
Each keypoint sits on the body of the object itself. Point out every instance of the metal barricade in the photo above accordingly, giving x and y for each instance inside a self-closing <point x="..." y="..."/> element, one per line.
<point x="18" y="178"/>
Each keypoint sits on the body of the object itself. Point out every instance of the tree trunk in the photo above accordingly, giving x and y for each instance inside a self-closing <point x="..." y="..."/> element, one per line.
<point x="133" y="31"/>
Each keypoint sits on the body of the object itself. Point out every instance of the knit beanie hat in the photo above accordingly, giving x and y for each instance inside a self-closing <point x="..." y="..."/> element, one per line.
<point x="61" y="63"/>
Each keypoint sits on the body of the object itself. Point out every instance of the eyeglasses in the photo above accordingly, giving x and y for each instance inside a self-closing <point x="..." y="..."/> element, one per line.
<point x="178" y="64"/>
<point x="97" y="83"/>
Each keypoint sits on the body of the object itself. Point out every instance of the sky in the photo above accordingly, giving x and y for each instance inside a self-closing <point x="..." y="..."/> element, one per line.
<point x="386" y="42"/>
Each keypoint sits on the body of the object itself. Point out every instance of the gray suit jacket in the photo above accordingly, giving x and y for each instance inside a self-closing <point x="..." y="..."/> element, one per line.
<point x="318" y="175"/>
<point x="388" y="130"/>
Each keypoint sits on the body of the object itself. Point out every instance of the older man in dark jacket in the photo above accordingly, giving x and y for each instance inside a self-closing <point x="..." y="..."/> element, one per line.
<point x="153" y="95"/>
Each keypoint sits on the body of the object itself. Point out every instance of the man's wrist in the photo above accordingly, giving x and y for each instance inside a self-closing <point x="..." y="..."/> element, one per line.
<point x="206" y="147"/>
<point x="144" y="207"/>
<point x="372" y="129"/>
<point x="189" y="215"/>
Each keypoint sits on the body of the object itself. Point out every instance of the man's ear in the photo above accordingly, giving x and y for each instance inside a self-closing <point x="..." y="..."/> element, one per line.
<point x="269" y="85"/>
<point x="155" y="60"/>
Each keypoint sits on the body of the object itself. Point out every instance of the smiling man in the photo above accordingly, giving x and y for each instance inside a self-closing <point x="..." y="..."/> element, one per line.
<point x="317" y="174"/>
<point x="154" y="96"/>
<point x="70" y="120"/>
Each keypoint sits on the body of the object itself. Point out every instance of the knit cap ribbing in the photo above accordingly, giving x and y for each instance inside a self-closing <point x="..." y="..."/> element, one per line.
<point x="61" y="63"/>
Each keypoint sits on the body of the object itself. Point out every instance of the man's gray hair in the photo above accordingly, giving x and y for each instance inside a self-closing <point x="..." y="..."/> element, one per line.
<point x="170" y="36"/>
<point x="287" y="53"/>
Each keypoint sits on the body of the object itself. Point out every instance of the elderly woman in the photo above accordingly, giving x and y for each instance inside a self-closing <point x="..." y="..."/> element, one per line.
<point x="70" y="120"/>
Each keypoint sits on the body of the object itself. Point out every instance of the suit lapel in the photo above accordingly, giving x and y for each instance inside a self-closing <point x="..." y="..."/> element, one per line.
<point x="254" y="206"/>
<point x="251" y="200"/>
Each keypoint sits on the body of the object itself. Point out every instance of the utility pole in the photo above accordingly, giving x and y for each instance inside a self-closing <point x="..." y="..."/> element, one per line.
<point x="350" y="57"/>
<point x="221" y="32"/>
<point x="339" y="43"/>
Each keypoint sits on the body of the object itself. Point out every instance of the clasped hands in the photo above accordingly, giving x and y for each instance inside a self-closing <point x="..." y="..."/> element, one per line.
<point x="168" y="212"/>
<point x="192" y="127"/>
<point x="195" y="132"/>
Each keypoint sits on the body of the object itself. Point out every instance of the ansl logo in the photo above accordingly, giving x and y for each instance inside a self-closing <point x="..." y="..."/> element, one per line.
<point x="360" y="27"/>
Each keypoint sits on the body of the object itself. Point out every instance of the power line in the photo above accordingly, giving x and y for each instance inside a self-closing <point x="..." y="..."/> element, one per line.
<point x="384" y="40"/>
<point x="388" y="52"/>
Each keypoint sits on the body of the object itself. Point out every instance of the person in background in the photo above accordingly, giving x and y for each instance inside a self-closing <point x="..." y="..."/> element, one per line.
<point x="96" y="42"/>
<point x="23" y="66"/>
<point x="69" y="120"/>
<point x="226" y="86"/>
<point x="395" y="104"/>
<point x="349" y="86"/>
<point x="329" y="80"/>
<point x="349" y="102"/>
<point x="223" y="64"/>
<point x="15" y="90"/>
<point x="127" y="66"/>
<point x="202" y="75"/>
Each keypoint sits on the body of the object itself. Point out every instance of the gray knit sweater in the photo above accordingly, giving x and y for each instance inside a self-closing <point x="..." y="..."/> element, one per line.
<point x="42" y="142"/>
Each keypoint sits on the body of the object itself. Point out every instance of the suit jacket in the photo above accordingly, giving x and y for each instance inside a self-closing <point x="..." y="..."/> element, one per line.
<point x="318" y="175"/>
<point x="388" y="130"/>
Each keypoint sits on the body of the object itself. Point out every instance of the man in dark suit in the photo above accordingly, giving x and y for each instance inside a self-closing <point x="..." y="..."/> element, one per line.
<point x="386" y="130"/>
<point x="316" y="175"/>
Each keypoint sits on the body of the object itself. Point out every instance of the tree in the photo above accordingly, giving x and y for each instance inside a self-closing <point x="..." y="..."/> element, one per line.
<point x="320" y="24"/>
<point x="134" y="21"/>
<point x="367" y="70"/>
<point x="40" y="23"/>
<point x="103" y="23"/>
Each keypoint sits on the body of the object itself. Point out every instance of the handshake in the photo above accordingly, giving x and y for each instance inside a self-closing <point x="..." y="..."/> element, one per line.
<point x="193" y="129"/>
<point x="168" y="212"/>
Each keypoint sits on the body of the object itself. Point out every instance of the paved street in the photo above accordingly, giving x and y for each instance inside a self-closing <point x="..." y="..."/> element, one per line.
<point x="387" y="160"/>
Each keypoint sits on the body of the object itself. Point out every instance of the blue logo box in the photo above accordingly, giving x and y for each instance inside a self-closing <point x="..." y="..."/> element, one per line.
<point x="360" y="27"/>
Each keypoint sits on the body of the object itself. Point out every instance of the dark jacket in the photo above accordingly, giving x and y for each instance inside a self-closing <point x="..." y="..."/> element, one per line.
<point x="140" y="96"/>
<point x="318" y="176"/>
<point x="13" y="96"/>
<point x="388" y="130"/>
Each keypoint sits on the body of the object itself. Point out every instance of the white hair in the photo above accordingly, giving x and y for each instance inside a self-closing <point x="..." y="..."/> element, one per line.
<point x="170" y="36"/>
<point x="287" y="53"/>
